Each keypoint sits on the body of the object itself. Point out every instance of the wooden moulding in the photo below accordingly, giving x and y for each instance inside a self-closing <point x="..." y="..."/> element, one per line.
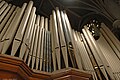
<point x="14" y="68"/>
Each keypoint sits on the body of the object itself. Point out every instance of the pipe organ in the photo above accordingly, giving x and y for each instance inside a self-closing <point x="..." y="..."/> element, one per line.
<point x="50" y="44"/>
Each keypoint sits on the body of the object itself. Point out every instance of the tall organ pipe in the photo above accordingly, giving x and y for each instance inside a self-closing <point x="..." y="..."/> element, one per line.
<point x="53" y="45"/>
<point x="2" y="3"/>
<point x="3" y="8"/>
<point x="73" y="41"/>
<point x="101" y="56"/>
<point x="6" y="19"/>
<point x="21" y="30"/>
<point x="14" y="25"/>
<point x="27" y="33"/>
<point x="5" y="12"/>
<point x="57" y="45"/>
<point x="111" y="36"/>
<point x="93" y="49"/>
<point x="62" y="37"/>
<point x="30" y="37"/>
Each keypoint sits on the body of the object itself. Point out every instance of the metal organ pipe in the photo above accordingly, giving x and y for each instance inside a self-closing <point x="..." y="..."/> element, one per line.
<point x="5" y="12"/>
<point x="2" y="3"/>
<point x="62" y="38"/>
<point x="21" y="30"/>
<point x="3" y="8"/>
<point x="9" y="15"/>
<point x="50" y="44"/>
<point x="27" y="33"/>
<point x="14" y="25"/>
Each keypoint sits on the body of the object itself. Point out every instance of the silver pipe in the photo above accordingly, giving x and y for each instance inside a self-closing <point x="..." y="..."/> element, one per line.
<point x="41" y="41"/>
<point x="2" y="3"/>
<point x="6" y="29"/>
<point x="65" y="29"/>
<point x="89" y="53"/>
<point x="110" y="43"/>
<point x="47" y="46"/>
<point x="38" y="20"/>
<point x="109" y="54"/>
<point x="27" y="33"/>
<point x="21" y="30"/>
<point x="35" y="47"/>
<point x="49" y="52"/>
<point x="14" y="25"/>
<point x="115" y="41"/>
<point x="42" y="22"/>
<point x="101" y="56"/>
<point x="99" y="62"/>
<point x="72" y="40"/>
<point x="42" y="49"/>
<point x="53" y="45"/>
<point x="30" y="37"/>
<point x="78" y="50"/>
<point x="7" y="21"/>
<point x="62" y="37"/>
<point x="57" y="46"/>
<point x="46" y="24"/>
<point x="5" y="12"/>
<point x="3" y="8"/>
<point x="39" y="48"/>
<point x="32" y="45"/>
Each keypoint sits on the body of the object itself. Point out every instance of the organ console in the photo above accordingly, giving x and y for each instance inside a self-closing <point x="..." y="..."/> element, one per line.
<point x="50" y="44"/>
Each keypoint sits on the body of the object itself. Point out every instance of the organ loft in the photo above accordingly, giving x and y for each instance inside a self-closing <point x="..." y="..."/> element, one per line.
<point x="59" y="40"/>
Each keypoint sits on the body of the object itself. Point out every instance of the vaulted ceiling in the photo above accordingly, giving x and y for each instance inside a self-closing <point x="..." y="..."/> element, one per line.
<point x="76" y="9"/>
<point x="79" y="11"/>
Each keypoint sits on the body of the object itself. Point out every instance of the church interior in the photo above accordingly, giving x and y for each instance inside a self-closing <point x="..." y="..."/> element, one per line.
<point x="59" y="39"/>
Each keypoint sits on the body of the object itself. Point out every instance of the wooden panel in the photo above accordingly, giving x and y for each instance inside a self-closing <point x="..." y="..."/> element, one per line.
<point x="14" y="68"/>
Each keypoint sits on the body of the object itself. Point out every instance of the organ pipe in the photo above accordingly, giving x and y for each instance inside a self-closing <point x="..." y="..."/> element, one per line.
<point x="21" y="30"/>
<point x="103" y="59"/>
<point x="27" y="33"/>
<point x="53" y="45"/>
<point x="62" y="38"/>
<point x="49" y="43"/>
<point x="7" y="18"/>
<point x="3" y="8"/>
<point x="57" y="46"/>
<point x="5" y="12"/>
<point x="30" y="37"/>
<point x="2" y="3"/>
